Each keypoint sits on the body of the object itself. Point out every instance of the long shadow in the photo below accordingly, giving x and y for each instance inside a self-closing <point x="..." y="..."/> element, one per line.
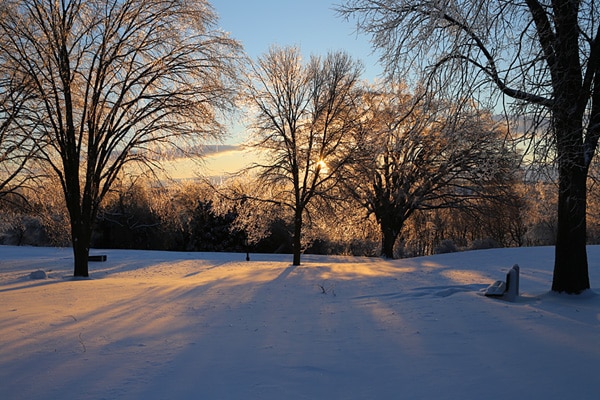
<point x="285" y="273"/>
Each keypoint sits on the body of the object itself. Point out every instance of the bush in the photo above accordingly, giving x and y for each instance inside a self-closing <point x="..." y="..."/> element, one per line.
<point x="445" y="246"/>
<point x="482" y="244"/>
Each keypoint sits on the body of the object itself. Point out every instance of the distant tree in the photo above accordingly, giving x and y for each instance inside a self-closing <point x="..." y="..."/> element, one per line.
<point x="305" y="113"/>
<point x="544" y="55"/>
<point x="423" y="154"/>
<point x="127" y="219"/>
<point x="41" y="206"/>
<point x="541" y="218"/>
<point x="211" y="231"/>
<point x="114" y="82"/>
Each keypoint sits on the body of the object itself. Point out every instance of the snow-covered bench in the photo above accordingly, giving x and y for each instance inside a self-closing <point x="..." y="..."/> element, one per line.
<point x="508" y="290"/>
<point x="97" y="258"/>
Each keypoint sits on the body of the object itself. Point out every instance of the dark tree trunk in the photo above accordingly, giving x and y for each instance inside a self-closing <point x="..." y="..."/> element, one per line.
<point x="389" y="235"/>
<point x="570" y="263"/>
<point x="81" y="228"/>
<point x="81" y="253"/>
<point x="81" y="236"/>
<point x="297" y="239"/>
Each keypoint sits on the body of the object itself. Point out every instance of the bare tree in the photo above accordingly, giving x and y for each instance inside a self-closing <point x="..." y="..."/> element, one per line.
<point x="115" y="81"/>
<point x="545" y="55"/>
<point x="16" y="148"/>
<point x="304" y="117"/>
<point x="423" y="154"/>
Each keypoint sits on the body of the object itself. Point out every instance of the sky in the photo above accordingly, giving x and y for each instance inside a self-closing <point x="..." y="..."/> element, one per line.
<point x="313" y="25"/>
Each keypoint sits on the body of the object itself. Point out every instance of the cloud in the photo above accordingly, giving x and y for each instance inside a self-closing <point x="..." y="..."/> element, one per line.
<point x="217" y="149"/>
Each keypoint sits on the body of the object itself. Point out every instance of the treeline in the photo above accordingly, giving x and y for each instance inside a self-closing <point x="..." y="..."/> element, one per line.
<point x="193" y="217"/>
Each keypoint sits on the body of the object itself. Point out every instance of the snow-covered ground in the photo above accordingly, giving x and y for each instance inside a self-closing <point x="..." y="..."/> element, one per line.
<point x="160" y="325"/>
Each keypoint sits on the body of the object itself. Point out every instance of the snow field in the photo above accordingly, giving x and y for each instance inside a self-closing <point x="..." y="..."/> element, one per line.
<point x="160" y="325"/>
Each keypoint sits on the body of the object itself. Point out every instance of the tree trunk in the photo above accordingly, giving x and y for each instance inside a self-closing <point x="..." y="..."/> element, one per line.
<point x="570" y="263"/>
<point x="81" y="253"/>
<point x="388" y="239"/>
<point x="297" y="240"/>
<point x="81" y="236"/>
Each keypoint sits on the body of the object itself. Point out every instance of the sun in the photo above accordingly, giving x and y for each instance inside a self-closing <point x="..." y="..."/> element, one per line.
<point x="322" y="166"/>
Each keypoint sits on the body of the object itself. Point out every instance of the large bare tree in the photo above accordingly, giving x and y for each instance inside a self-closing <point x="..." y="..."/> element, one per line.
<point x="305" y="114"/>
<point x="543" y="54"/>
<point x="115" y="81"/>
<point x="421" y="153"/>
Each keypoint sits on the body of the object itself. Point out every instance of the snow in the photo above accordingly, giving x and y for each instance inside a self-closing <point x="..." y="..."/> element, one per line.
<point x="163" y="325"/>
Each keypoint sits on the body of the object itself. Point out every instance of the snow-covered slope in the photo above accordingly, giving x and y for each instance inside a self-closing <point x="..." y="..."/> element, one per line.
<point x="160" y="325"/>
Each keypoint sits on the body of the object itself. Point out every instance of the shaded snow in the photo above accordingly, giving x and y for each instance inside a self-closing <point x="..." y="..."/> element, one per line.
<point x="160" y="325"/>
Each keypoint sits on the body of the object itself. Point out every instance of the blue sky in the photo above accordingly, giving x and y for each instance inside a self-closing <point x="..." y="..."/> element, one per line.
<point x="311" y="24"/>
